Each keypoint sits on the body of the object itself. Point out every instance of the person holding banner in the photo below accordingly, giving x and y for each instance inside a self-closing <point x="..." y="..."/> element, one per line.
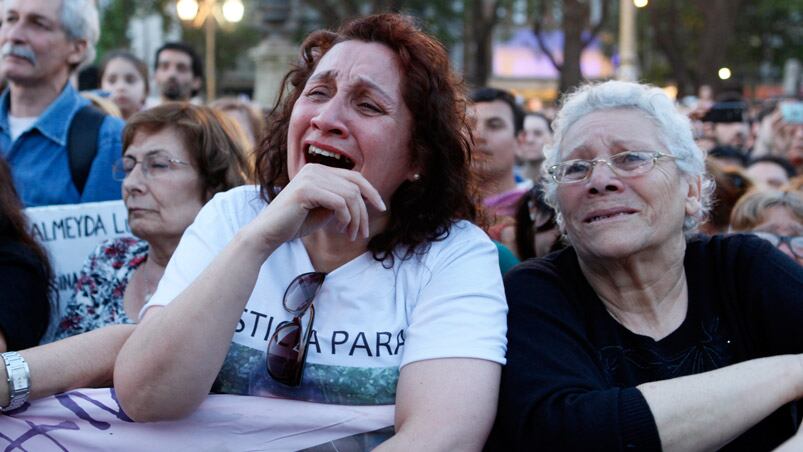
<point x="176" y="157"/>
<point x="352" y="276"/>
<point x="25" y="273"/>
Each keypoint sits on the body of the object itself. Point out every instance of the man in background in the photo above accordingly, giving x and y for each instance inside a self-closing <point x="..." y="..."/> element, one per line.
<point x="60" y="151"/>
<point x="497" y="122"/>
<point x="536" y="133"/>
<point x="178" y="72"/>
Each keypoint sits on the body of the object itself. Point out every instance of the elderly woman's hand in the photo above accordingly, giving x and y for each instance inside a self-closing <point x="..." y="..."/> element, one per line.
<point x="314" y="198"/>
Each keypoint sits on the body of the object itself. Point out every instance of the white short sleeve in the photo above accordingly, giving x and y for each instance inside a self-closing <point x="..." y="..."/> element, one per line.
<point x="461" y="311"/>
<point x="213" y="228"/>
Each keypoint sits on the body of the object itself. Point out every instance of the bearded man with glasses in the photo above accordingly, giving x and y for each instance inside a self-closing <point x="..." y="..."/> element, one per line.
<point x="641" y="335"/>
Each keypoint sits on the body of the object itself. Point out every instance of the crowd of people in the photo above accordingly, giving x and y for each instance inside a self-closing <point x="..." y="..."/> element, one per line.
<point x="622" y="273"/>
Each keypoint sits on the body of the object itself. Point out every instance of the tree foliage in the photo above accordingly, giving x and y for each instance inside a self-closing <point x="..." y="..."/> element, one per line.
<point x="579" y="30"/>
<point x="115" y="18"/>
<point x="683" y="41"/>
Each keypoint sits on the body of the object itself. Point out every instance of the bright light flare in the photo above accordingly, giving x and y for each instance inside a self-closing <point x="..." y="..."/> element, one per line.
<point x="640" y="3"/>
<point x="233" y="10"/>
<point x="187" y="9"/>
<point x="724" y="73"/>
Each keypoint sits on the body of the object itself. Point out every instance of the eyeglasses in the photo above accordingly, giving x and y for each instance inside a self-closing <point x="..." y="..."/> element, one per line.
<point x="153" y="166"/>
<point x="623" y="164"/>
<point x="795" y="243"/>
<point x="287" y="347"/>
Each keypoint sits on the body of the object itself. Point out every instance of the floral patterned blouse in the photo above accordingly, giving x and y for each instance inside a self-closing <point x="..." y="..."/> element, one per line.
<point x="98" y="297"/>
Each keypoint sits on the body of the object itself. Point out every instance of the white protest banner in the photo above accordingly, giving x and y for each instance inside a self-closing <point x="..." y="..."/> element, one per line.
<point x="91" y="419"/>
<point x="69" y="233"/>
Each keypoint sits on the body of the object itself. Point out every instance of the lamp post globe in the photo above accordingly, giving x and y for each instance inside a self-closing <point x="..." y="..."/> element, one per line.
<point x="187" y="9"/>
<point x="233" y="10"/>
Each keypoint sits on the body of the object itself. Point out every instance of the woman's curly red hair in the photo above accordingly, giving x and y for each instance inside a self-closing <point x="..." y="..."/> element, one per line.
<point x="420" y="211"/>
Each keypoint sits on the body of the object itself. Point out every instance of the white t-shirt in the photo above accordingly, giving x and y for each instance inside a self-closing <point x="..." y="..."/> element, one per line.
<point x="369" y="320"/>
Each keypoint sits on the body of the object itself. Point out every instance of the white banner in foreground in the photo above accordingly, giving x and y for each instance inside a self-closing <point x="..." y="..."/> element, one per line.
<point x="70" y="233"/>
<point x="91" y="419"/>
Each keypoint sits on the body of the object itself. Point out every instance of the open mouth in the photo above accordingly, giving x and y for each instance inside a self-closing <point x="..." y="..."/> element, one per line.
<point x="317" y="155"/>
<point x="608" y="215"/>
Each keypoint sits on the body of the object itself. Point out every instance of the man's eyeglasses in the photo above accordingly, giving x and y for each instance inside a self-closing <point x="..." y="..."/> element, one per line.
<point x="623" y="164"/>
<point x="795" y="243"/>
<point x="287" y="347"/>
<point x="153" y="166"/>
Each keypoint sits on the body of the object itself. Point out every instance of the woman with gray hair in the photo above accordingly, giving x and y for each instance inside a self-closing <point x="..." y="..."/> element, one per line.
<point x="775" y="216"/>
<point x="640" y="336"/>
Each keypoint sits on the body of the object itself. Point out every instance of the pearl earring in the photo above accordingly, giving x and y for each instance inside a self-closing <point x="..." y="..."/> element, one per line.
<point x="416" y="177"/>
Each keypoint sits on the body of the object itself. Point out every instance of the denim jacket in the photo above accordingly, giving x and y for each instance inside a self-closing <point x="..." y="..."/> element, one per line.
<point x="39" y="160"/>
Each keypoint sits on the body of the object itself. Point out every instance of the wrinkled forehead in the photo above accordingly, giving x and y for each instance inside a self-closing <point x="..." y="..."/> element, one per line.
<point x="533" y="122"/>
<point x="611" y="130"/>
<point x="48" y="9"/>
<point x="175" y="57"/>
<point x="491" y="110"/>
<point x="358" y="62"/>
<point x="121" y="64"/>
<point x="164" y="141"/>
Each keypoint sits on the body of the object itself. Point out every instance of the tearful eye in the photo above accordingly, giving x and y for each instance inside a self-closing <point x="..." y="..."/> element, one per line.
<point x="575" y="168"/>
<point x="630" y="161"/>
<point x="316" y="93"/>
<point x="370" y="107"/>
<point x="158" y="164"/>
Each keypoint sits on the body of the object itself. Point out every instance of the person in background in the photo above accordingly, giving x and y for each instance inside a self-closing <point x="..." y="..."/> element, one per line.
<point x="730" y="183"/>
<point x="728" y="156"/>
<point x="87" y="78"/>
<point x="497" y="121"/>
<point x="125" y="78"/>
<point x="770" y="171"/>
<point x="536" y="132"/>
<point x="642" y="335"/>
<point x="177" y="156"/>
<point x="727" y="123"/>
<point x="249" y="117"/>
<point x="185" y="155"/>
<point x="776" y="216"/>
<point x="178" y="72"/>
<point x="43" y="42"/>
<point x="781" y="133"/>
<point x="795" y="184"/>
<point x="25" y="273"/>
<point x="537" y="232"/>
<point x="360" y="225"/>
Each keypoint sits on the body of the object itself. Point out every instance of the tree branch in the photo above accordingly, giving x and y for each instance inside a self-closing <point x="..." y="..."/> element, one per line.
<point x="540" y="39"/>
<point x="598" y="26"/>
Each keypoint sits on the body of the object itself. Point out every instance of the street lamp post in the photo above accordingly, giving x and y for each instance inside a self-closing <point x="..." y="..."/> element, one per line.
<point x="208" y="13"/>
<point x="628" y="66"/>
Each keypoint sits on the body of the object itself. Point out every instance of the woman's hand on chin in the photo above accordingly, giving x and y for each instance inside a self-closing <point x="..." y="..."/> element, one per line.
<point x="316" y="196"/>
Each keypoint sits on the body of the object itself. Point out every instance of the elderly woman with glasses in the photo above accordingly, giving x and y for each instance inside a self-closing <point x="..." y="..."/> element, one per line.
<point x="775" y="216"/>
<point x="640" y="336"/>
<point x="175" y="158"/>
<point x="350" y="276"/>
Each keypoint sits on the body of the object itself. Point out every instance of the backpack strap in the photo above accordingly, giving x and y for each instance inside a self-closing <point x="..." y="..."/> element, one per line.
<point x="82" y="143"/>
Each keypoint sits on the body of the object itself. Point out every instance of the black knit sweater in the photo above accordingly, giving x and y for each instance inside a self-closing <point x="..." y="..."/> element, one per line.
<point x="572" y="370"/>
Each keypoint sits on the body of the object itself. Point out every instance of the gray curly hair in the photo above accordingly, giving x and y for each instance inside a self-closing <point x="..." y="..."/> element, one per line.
<point x="79" y="19"/>
<point x="675" y="133"/>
